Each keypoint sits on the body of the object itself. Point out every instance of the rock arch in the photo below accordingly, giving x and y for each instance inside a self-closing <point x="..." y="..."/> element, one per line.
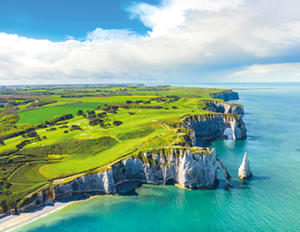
<point x="214" y="125"/>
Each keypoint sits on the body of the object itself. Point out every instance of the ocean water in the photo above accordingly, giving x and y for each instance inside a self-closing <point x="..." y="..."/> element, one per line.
<point x="270" y="201"/>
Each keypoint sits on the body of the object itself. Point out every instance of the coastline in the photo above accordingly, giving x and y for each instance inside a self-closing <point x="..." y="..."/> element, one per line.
<point x="11" y="222"/>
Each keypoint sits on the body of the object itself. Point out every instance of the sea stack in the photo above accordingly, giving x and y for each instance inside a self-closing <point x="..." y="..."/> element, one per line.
<point x="244" y="170"/>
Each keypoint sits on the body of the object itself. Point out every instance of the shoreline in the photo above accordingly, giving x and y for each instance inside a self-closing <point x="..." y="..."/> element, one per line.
<point x="11" y="222"/>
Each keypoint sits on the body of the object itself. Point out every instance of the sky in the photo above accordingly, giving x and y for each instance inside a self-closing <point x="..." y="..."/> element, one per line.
<point x="152" y="41"/>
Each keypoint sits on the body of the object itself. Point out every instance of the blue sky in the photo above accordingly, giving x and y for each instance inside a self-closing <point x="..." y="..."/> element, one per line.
<point x="55" y="19"/>
<point x="151" y="41"/>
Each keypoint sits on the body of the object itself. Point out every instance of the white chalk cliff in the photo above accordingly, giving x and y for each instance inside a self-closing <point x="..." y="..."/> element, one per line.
<point x="214" y="125"/>
<point x="223" y="107"/>
<point x="244" y="170"/>
<point x="194" y="168"/>
<point x="226" y="95"/>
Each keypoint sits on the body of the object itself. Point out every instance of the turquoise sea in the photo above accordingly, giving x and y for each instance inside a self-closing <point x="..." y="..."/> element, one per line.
<point x="270" y="201"/>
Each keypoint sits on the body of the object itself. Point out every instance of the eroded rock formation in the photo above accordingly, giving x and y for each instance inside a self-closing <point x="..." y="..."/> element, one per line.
<point x="226" y="95"/>
<point x="244" y="170"/>
<point x="193" y="168"/>
<point x="214" y="125"/>
<point x="223" y="107"/>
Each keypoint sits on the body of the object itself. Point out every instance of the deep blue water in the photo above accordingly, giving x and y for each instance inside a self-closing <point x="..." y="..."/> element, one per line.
<point x="268" y="202"/>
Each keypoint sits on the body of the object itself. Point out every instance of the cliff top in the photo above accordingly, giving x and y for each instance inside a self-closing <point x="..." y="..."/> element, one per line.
<point x="36" y="152"/>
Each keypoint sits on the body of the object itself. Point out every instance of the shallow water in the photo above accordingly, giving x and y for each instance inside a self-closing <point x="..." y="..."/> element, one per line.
<point x="268" y="202"/>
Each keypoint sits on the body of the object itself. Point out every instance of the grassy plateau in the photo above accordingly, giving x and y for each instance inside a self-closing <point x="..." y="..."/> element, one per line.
<point x="114" y="122"/>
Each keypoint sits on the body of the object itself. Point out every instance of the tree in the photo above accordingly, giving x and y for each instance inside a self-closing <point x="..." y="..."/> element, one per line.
<point x="32" y="134"/>
<point x="117" y="123"/>
<point x="80" y="112"/>
<point x="3" y="205"/>
<point x="102" y="115"/>
<point x="91" y="114"/>
<point x="2" y="143"/>
<point x="47" y="122"/>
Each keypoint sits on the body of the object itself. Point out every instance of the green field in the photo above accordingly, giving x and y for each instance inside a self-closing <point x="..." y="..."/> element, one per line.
<point x="64" y="152"/>
<point x="47" y="113"/>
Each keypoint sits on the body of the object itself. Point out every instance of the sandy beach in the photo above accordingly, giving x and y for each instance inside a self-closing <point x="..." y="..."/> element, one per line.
<point x="11" y="222"/>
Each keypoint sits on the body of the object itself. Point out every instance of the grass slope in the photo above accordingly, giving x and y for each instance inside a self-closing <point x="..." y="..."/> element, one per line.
<point x="63" y="155"/>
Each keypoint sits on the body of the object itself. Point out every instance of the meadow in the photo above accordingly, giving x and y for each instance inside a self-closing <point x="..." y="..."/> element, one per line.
<point x="77" y="145"/>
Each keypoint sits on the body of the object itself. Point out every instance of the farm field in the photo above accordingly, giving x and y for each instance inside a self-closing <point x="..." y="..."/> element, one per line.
<point x="67" y="142"/>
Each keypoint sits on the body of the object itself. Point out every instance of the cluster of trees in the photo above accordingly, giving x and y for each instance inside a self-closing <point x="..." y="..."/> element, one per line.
<point x="75" y="127"/>
<point x="28" y="141"/>
<point x="131" y="105"/>
<point x="40" y="103"/>
<point x="117" y="123"/>
<point x="5" y="184"/>
<point x="110" y="108"/>
<point x="8" y="122"/>
<point x="154" y="88"/>
<point x="94" y="119"/>
<point x="52" y="129"/>
<point x="13" y="132"/>
<point x="167" y="99"/>
<point x="38" y="93"/>
<point x="99" y="118"/>
<point x="61" y="123"/>
<point x="75" y="95"/>
<point x="106" y="93"/>
<point x="54" y="120"/>
<point x="64" y="126"/>
<point x="137" y="102"/>
<point x="92" y="114"/>
<point x="30" y="134"/>
<point x="6" y="205"/>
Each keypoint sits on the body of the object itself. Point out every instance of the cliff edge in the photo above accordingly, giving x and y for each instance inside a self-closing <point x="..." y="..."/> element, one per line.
<point x="192" y="168"/>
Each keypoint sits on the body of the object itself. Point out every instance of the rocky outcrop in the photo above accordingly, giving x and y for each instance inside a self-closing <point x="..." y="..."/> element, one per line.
<point x="244" y="170"/>
<point x="214" y="125"/>
<point x="226" y="95"/>
<point x="193" y="168"/>
<point x="225" y="108"/>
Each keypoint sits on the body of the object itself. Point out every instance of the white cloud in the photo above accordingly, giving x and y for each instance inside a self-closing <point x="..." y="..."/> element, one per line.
<point x="184" y="33"/>
<point x="285" y="72"/>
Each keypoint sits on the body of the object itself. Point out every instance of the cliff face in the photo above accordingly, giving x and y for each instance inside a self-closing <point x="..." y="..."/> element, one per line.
<point x="191" y="168"/>
<point x="222" y="107"/>
<point x="214" y="125"/>
<point x="226" y="95"/>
